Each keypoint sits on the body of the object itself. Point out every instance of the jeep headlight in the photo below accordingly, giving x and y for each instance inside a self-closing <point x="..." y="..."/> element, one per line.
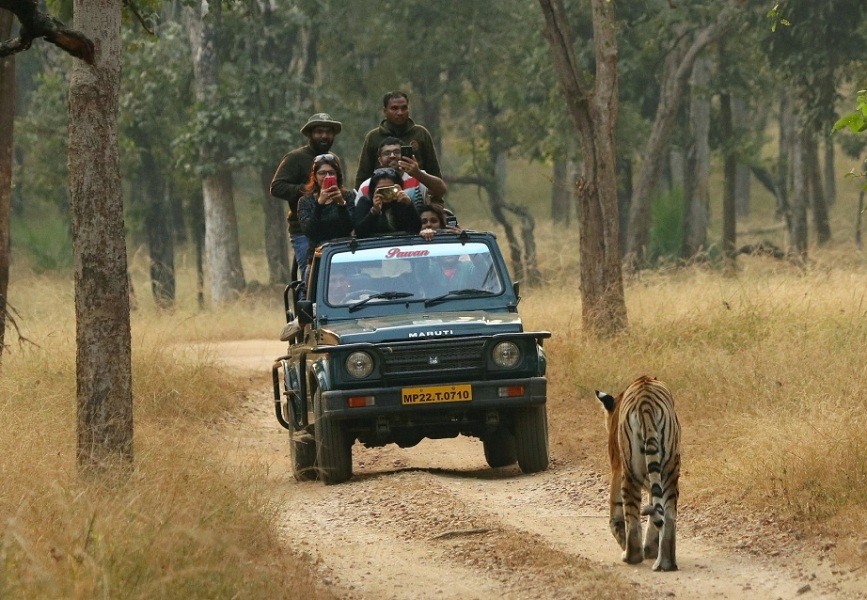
<point x="359" y="364"/>
<point x="506" y="355"/>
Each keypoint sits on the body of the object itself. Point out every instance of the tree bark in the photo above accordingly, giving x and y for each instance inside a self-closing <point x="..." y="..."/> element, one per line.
<point x="561" y="192"/>
<point x="222" y="246"/>
<point x="830" y="172"/>
<point x="696" y="193"/>
<point x="593" y="109"/>
<point x="103" y="359"/>
<point x="7" y="118"/>
<point x="678" y="67"/>
<point x="741" y="124"/>
<point x="730" y="163"/>
<point x="817" y="191"/>
<point x="151" y="192"/>
<point x="276" y="243"/>
<point x="785" y="156"/>
<point x="273" y="209"/>
<point x="798" y="202"/>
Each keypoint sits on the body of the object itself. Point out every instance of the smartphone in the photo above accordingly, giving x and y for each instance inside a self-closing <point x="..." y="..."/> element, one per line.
<point x="407" y="151"/>
<point x="329" y="181"/>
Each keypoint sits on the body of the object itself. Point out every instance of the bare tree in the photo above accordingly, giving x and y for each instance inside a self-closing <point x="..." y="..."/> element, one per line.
<point x="678" y="68"/>
<point x="222" y="246"/>
<point x="7" y="113"/>
<point x="593" y="108"/>
<point x="696" y="193"/>
<point x="103" y="359"/>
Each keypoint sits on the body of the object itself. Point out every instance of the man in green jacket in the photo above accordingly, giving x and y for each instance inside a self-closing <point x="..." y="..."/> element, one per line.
<point x="294" y="172"/>
<point x="395" y="106"/>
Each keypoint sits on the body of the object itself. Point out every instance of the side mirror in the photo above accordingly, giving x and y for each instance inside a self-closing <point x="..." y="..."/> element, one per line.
<point x="516" y="287"/>
<point x="305" y="312"/>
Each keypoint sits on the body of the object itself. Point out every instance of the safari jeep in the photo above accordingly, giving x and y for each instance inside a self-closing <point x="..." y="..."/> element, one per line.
<point x="402" y="339"/>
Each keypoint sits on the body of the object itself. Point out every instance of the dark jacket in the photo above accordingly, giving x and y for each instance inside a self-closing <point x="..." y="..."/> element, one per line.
<point x="289" y="181"/>
<point x="323" y="222"/>
<point x="395" y="217"/>
<point x="412" y="135"/>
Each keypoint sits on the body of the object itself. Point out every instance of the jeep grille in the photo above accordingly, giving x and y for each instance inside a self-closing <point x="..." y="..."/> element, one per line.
<point x="446" y="359"/>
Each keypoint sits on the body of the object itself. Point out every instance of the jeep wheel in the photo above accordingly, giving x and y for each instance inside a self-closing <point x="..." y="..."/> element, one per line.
<point x="531" y="438"/>
<point x="302" y="449"/>
<point x="333" y="449"/>
<point x="500" y="449"/>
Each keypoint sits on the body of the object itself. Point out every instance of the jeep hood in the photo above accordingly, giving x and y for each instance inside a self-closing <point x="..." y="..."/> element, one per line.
<point x="420" y="326"/>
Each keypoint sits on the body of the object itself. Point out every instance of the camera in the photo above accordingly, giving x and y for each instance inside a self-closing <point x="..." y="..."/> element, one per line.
<point x="389" y="194"/>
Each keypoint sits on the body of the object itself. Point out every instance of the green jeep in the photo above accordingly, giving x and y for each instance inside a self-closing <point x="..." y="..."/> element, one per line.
<point x="402" y="339"/>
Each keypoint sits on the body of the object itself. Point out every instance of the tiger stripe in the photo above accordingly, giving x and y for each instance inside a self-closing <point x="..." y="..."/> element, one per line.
<point x="644" y="452"/>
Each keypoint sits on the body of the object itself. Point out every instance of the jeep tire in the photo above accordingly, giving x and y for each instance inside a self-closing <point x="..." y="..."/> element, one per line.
<point x="302" y="449"/>
<point x="531" y="438"/>
<point x="500" y="448"/>
<point x="333" y="449"/>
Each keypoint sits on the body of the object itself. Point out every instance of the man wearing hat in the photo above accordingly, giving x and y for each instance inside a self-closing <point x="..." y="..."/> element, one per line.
<point x="294" y="171"/>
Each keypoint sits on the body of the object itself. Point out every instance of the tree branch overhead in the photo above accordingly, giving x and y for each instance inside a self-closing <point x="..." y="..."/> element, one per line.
<point x="37" y="24"/>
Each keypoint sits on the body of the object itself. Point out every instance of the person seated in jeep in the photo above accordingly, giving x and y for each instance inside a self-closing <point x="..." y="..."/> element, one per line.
<point x="389" y="210"/>
<point x="433" y="220"/>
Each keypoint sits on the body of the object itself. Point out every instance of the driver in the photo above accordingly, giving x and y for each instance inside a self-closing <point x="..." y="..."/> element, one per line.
<point x="339" y="288"/>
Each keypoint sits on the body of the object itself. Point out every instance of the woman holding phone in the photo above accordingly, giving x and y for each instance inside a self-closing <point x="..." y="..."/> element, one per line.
<point x="389" y="210"/>
<point x="325" y="210"/>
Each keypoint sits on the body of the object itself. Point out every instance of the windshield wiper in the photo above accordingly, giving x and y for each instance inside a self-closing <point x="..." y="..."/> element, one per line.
<point x="459" y="294"/>
<point x="380" y="296"/>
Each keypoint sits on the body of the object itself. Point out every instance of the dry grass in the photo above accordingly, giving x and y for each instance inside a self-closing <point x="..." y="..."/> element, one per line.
<point x="768" y="370"/>
<point x="188" y="522"/>
<point x="767" y="366"/>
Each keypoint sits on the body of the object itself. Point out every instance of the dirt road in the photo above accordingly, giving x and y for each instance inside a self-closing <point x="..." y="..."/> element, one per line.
<point x="435" y="522"/>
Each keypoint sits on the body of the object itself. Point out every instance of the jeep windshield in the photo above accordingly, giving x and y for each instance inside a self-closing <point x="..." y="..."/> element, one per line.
<point x="412" y="273"/>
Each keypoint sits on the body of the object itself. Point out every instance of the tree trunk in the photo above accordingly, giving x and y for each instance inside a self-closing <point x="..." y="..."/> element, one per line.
<point x="798" y="202"/>
<point x="730" y="163"/>
<point x="785" y="156"/>
<point x="222" y="247"/>
<point x="561" y="192"/>
<point x="273" y="52"/>
<point x="830" y="172"/>
<point x="594" y="112"/>
<point x="817" y="190"/>
<point x="676" y="167"/>
<point x="624" y="197"/>
<point x="276" y="243"/>
<point x="696" y="193"/>
<point x="158" y="227"/>
<point x="678" y="67"/>
<point x="858" y="242"/>
<point x="103" y="359"/>
<point x="7" y="117"/>
<point x="741" y="124"/>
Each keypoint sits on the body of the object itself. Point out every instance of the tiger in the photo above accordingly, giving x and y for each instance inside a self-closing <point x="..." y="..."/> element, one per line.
<point x="644" y="450"/>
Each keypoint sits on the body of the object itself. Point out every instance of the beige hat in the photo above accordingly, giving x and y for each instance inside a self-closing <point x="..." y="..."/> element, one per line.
<point x="321" y="119"/>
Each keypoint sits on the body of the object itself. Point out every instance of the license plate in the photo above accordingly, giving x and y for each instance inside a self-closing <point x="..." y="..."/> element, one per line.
<point x="439" y="393"/>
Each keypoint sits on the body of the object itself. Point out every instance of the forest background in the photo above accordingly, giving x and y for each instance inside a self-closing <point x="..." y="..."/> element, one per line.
<point x="480" y="77"/>
<point x="775" y="349"/>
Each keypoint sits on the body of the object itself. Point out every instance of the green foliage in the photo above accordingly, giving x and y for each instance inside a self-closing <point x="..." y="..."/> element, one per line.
<point x="44" y="240"/>
<point x="666" y="234"/>
<point x="40" y="136"/>
<point x="856" y="121"/>
<point x="776" y="18"/>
